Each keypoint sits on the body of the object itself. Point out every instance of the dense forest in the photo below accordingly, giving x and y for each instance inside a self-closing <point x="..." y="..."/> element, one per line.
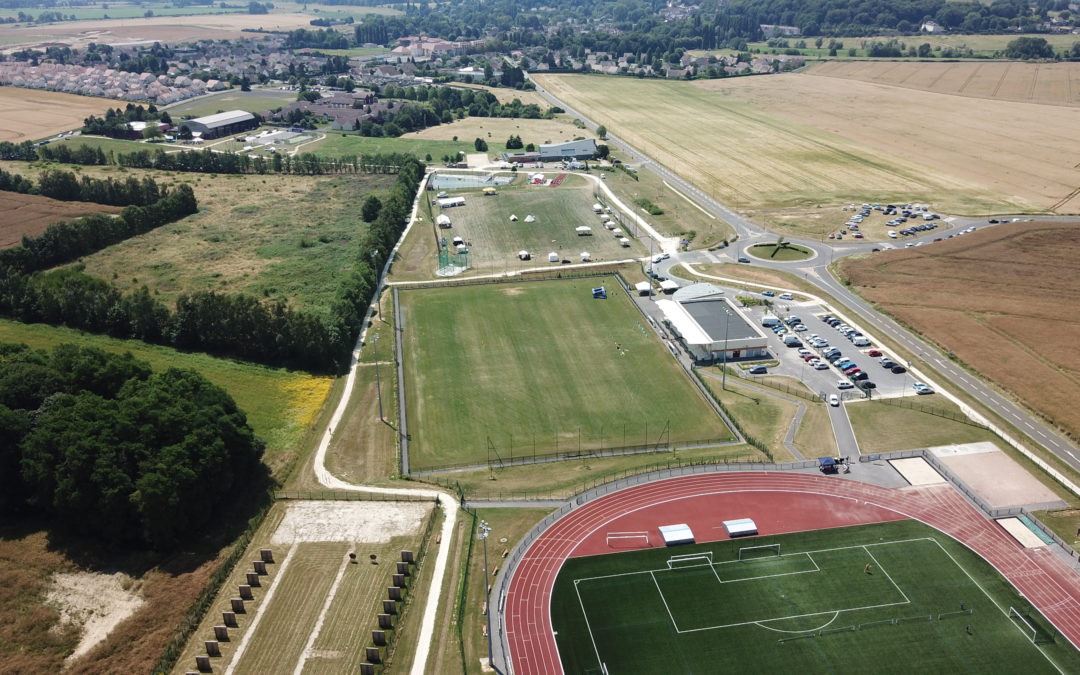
<point x="105" y="447"/>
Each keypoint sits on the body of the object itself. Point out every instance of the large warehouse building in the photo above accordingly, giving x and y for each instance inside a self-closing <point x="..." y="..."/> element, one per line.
<point x="709" y="325"/>
<point x="221" y="124"/>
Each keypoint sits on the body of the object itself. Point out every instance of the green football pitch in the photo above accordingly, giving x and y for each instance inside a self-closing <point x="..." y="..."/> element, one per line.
<point x="894" y="597"/>
<point x="501" y="371"/>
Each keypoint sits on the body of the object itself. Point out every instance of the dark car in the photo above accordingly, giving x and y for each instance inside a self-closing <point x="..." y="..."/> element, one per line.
<point x="859" y="376"/>
<point x="899" y="369"/>
<point x="744" y="259"/>
<point x="865" y="384"/>
<point x="889" y="364"/>
<point x="758" y="370"/>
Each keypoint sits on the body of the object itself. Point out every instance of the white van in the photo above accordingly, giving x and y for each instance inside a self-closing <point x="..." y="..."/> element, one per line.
<point x="892" y="234"/>
<point x="861" y="341"/>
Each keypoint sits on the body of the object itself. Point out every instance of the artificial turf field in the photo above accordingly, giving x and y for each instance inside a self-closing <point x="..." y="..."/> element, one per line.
<point x="533" y="367"/>
<point x="812" y="608"/>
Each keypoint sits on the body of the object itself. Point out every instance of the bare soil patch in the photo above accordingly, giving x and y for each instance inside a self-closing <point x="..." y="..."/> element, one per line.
<point x="27" y="114"/>
<point x="29" y="215"/>
<point x="93" y="602"/>
<point x="371" y="522"/>
<point x="998" y="299"/>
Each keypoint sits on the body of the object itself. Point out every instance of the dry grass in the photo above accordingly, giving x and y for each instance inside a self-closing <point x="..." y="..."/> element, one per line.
<point x="999" y="299"/>
<point x="885" y="427"/>
<point x="29" y="215"/>
<point x="814" y="437"/>
<point x="797" y="140"/>
<point x="27" y="114"/>
<point x="495" y="130"/>
<point x="1045" y="83"/>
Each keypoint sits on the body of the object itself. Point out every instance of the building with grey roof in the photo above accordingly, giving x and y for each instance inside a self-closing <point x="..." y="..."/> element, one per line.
<point x="221" y="124"/>
<point x="710" y="326"/>
<point x="584" y="148"/>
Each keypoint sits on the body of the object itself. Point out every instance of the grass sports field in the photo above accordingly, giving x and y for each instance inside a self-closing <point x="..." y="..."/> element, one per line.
<point x="256" y="101"/>
<point x="848" y="600"/>
<point x="339" y="144"/>
<point x="494" y="241"/>
<point x="533" y="367"/>
<point x="774" y="142"/>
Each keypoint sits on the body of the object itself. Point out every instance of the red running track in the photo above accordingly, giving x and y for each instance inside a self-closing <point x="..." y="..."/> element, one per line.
<point x="778" y="503"/>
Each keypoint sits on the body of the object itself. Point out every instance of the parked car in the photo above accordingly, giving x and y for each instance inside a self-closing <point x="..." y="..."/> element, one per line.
<point x="874" y="352"/>
<point x="787" y="296"/>
<point x="768" y="294"/>
<point x="744" y="259"/>
<point x="866" y="384"/>
<point x="834" y="400"/>
<point x="844" y="384"/>
<point x="888" y="363"/>
<point x="758" y="370"/>
<point x="899" y="369"/>
<point x="859" y="376"/>
<point x="820" y="365"/>
<point x="921" y="388"/>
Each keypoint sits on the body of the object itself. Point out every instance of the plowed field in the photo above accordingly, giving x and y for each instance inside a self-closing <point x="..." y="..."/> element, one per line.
<point x="30" y="215"/>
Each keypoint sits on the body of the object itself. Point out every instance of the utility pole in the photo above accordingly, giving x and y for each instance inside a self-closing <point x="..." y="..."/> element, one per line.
<point x="727" y="323"/>
<point x="482" y="534"/>
<point x="378" y="293"/>
<point x="378" y="380"/>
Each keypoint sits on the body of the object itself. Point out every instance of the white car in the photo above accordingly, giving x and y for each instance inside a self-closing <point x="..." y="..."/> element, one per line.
<point x="921" y="388"/>
<point x="799" y="328"/>
<point x="804" y="352"/>
<point x="834" y="400"/>
<point x="820" y="365"/>
<point x="787" y="296"/>
<point x="844" y="384"/>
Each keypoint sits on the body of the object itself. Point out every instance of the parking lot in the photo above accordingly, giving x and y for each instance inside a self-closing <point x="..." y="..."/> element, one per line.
<point x="797" y="361"/>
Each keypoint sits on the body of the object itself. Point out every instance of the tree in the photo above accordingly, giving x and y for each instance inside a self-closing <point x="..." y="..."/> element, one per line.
<point x="480" y="145"/>
<point x="370" y="209"/>
<point x="1074" y="53"/>
<point x="1026" y="48"/>
<point x="185" y="133"/>
<point x="151" y="132"/>
<point x="602" y="151"/>
<point x="601" y="132"/>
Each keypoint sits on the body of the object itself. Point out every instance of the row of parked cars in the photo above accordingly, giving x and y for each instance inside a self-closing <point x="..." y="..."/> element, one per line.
<point x="859" y="377"/>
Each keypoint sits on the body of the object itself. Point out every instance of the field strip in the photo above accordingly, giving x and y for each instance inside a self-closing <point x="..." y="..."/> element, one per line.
<point x="302" y="661"/>
<point x="446" y="501"/>
<point x="692" y="202"/>
<point x="260" y="612"/>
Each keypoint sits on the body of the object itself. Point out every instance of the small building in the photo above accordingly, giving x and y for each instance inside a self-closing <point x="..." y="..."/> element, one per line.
<point x="583" y="231"/>
<point x="586" y="256"/>
<point x="643" y="288"/>
<point x="523" y="255"/>
<point x="711" y="328"/>
<point x="442" y="220"/>
<point x="553" y="257"/>
<point x="932" y="27"/>
<point x="221" y="124"/>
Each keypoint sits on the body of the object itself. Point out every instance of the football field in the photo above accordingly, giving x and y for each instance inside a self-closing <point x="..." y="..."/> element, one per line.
<point x="501" y="371"/>
<point x="893" y="597"/>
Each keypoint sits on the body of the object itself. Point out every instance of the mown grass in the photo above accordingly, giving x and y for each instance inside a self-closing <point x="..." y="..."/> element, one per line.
<point x="253" y="102"/>
<point x="541" y="366"/>
<point x="340" y="144"/>
<point x="280" y="405"/>
<point x="767" y="418"/>
<point x="886" y="427"/>
<point x="108" y="145"/>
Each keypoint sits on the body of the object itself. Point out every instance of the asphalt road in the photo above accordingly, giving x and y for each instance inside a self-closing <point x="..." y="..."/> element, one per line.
<point x="815" y="271"/>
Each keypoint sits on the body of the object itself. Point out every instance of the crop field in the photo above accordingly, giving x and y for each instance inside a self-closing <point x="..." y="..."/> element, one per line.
<point x="172" y="29"/>
<point x="323" y="607"/>
<point x="280" y="405"/>
<point x="494" y="241"/>
<point x="1044" y="83"/>
<point x="995" y="299"/>
<point x="29" y="114"/>
<point x="256" y="101"/>
<point x="777" y="142"/>
<point x="846" y="600"/>
<point x="29" y="215"/>
<point x="505" y="95"/>
<point x="539" y="367"/>
<point x="279" y="237"/>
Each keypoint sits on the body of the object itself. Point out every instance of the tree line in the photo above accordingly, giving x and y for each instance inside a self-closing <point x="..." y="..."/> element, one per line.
<point x="232" y="325"/>
<point x="66" y="186"/>
<point x="106" y="447"/>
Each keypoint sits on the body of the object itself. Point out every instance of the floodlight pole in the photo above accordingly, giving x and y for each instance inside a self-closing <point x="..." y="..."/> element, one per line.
<point x="378" y="380"/>
<point x="378" y="290"/>
<point x="727" y="323"/>
<point x="482" y="534"/>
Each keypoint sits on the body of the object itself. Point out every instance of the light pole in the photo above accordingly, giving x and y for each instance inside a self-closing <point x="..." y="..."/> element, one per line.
<point x="483" y="531"/>
<point x="378" y="294"/>
<point x="378" y="380"/>
<point x="727" y="322"/>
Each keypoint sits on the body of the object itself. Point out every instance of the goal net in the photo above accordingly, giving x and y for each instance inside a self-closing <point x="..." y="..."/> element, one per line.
<point x="1027" y="627"/>
<point x="678" y="562"/>
<point x="759" y="552"/>
<point x="627" y="539"/>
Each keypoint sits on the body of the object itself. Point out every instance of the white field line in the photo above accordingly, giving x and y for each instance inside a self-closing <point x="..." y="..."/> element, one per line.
<point x="259" y="611"/>
<point x="330" y="595"/>
<point x="887" y="575"/>
<point x="692" y="202"/>
<point x="664" y="600"/>
<point x="964" y="407"/>
<point x="587" y="626"/>
<point x="449" y="505"/>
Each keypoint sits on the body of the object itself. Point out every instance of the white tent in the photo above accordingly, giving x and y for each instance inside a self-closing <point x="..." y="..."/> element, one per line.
<point x="643" y="288"/>
<point x="458" y="240"/>
<point x="442" y="220"/>
<point x="553" y="257"/>
<point x="513" y="218"/>
<point x="523" y="255"/>
<point x="530" y="219"/>
<point x="585" y="256"/>
<point x="583" y="231"/>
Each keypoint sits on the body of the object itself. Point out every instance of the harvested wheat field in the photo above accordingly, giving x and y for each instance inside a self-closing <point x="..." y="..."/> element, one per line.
<point x="496" y="130"/>
<point x="1048" y="83"/>
<point x="29" y="215"/>
<point x="780" y="141"/>
<point x="27" y="114"/>
<point x="1002" y="299"/>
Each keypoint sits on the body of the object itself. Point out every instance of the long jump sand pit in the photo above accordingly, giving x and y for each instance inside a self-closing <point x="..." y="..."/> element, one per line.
<point x="998" y="479"/>
<point x="27" y="114"/>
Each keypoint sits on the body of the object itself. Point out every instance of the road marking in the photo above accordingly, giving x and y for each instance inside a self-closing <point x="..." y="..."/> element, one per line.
<point x="692" y="202"/>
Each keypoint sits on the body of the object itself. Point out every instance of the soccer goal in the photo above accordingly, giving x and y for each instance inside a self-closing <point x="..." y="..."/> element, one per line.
<point x="1029" y="629"/>
<point x="678" y="562"/>
<point x="759" y="552"/>
<point x="627" y="539"/>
